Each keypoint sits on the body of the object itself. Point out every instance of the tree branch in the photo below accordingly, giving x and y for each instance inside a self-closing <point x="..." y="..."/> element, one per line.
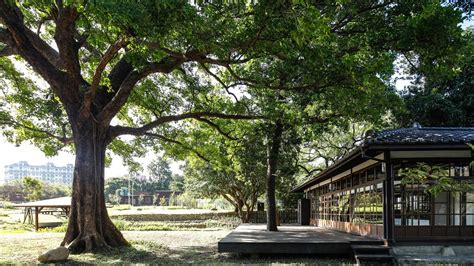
<point x="177" y="143"/>
<point x="309" y="172"/>
<point x="348" y="17"/>
<point x="166" y="65"/>
<point x="31" y="47"/>
<point x="67" y="45"/>
<point x="216" y="127"/>
<point x="220" y="81"/>
<point x="63" y="139"/>
<point x="7" y="51"/>
<point x="197" y="56"/>
<point x="140" y="131"/>
<point x="108" y="56"/>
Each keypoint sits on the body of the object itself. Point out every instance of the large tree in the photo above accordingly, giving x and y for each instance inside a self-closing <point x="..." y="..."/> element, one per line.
<point x="112" y="69"/>
<point x="337" y="60"/>
<point x="234" y="163"/>
<point x="231" y="167"/>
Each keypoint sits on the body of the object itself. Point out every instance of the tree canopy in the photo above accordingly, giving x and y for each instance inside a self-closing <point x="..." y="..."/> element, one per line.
<point x="443" y="101"/>
<point x="146" y="68"/>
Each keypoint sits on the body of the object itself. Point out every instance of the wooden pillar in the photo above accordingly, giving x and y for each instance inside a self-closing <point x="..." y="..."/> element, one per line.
<point x="36" y="218"/>
<point x="25" y="215"/>
<point x="388" y="218"/>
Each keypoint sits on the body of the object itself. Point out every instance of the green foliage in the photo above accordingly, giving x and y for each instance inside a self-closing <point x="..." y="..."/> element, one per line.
<point x="443" y="102"/>
<point x="435" y="178"/>
<point x="160" y="174"/>
<point x="149" y="185"/>
<point x="308" y="65"/>
<point x="331" y="59"/>
<point x="186" y="200"/>
<point x="114" y="199"/>
<point x="51" y="190"/>
<point x="114" y="185"/>
<point x="163" y="201"/>
<point x="234" y="169"/>
<point x="6" y="205"/>
<point x="172" y="200"/>
<point x="46" y="190"/>
<point x="28" y="111"/>
<point x="32" y="188"/>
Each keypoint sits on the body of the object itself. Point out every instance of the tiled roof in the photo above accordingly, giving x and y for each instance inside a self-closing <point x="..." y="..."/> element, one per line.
<point x="401" y="136"/>
<point x="423" y="135"/>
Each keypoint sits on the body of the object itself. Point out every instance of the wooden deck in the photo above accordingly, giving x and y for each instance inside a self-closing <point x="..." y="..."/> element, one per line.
<point x="290" y="239"/>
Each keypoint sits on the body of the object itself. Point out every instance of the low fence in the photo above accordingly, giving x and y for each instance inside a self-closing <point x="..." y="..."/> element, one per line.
<point x="177" y="217"/>
<point x="285" y="216"/>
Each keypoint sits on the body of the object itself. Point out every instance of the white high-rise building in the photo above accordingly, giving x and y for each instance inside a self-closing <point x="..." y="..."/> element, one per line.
<point x="48" y="173"/>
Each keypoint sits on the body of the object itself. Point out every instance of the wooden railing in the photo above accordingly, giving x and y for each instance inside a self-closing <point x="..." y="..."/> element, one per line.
<point x="284" y="216"/>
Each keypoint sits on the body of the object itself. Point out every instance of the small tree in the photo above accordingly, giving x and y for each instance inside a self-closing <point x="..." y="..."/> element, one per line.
<point x="156" y="199"/>
<point x="435" y="177"/>
<point x="162" y="201"/>
<point x="32" y="188"/>
<point x="114" y="199"/>
<point x="141" y="199"/>
<point x="172" y="199"/>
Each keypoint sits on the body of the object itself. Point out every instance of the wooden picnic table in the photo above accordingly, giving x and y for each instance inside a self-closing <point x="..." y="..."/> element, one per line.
<point x="57" y="205"/>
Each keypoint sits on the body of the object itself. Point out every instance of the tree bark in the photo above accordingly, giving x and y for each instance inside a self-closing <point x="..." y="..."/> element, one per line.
<point x="90" y="227"/>
<point x="273" y="149"/>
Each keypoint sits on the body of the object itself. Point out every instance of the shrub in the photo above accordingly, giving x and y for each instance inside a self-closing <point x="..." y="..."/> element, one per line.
<point x="6" y="205"/>
<point x="173" y="217"/>
<point x="58" y="229"/>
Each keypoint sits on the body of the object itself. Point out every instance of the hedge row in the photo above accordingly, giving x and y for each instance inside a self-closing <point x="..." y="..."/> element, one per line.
<point x="173" y="217"/>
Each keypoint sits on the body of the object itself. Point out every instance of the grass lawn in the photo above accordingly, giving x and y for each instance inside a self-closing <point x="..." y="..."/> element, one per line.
<point x="147" y="247"/>
<point x="164" y="242"/>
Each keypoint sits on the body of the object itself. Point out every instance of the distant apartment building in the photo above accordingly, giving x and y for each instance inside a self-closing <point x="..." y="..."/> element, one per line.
<point x="48" y="173"/>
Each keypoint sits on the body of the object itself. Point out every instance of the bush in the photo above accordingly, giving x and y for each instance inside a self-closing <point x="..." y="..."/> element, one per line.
<point x="186" y="200"/>
<point x="58" y="229"/>
<point x="173" y="217"/>
<point x="120" y="224"/>
<point x="6" y="205"/>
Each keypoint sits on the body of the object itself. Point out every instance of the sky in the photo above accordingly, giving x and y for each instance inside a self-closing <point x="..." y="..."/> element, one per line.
<point x="9" y="153"/>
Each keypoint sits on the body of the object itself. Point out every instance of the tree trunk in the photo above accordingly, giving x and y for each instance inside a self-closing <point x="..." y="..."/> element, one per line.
<point x="273" y="148"/>
<point x="90" y="227"/>
<point x="240" y="211"/>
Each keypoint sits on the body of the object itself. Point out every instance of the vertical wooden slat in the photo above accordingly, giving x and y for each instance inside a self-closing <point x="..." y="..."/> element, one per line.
<point x="388" y="199"/>
<point x="36" y="218"/>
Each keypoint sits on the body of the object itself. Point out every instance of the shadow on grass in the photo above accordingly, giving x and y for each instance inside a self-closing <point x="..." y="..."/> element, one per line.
<point x="145" y="252"/>
<point x="138" y="252"/>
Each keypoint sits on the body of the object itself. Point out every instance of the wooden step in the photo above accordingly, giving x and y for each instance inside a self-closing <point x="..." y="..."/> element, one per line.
<point x="368" y="242"/>
<point x="375" y="259"/>
<point x="370" y="249"/>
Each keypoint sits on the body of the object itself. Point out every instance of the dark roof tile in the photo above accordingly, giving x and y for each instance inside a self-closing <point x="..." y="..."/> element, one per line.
<point x="423" y="135"/>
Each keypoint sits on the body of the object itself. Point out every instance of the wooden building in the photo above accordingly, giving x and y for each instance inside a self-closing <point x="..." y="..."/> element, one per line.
<point x="142" y="198"/>
<point x="363" y="193"/>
